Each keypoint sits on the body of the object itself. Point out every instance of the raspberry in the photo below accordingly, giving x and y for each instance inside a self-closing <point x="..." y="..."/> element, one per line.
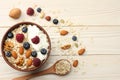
<point x="35" y="40"/>
<point x="36" y="62"/>
<point x="19" y="37"/>
<point x="30" y="11"/>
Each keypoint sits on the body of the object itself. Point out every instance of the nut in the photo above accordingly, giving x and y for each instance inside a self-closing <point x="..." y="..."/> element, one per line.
<point x="15" y="13"/>
<point x="14" y="54"/>
<point x="75" y="63"/>
<point x="28" y="53"/>
<point x="63" y="32"/>
<point x="66" y="46"/>
<point x="48" y="18"/>
<point x="21" y="50"/>
<point x="81" y="51"/>
<point x="8" y="46"/>
<point x="29" y="62"/>
<point x="42" y="14"/>
<point x="20" y="61"/>
<point x="62" y="21"/>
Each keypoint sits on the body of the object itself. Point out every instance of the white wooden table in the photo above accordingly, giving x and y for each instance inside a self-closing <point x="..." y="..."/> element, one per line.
<point x="95" y="22"/>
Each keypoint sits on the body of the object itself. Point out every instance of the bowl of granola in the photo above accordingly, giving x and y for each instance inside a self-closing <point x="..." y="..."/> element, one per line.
<point x="26" y="46"/>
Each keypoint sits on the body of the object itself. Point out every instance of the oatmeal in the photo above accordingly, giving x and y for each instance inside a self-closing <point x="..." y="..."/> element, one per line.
<point x="26" y="47"/>
<point x="62" y="67"/>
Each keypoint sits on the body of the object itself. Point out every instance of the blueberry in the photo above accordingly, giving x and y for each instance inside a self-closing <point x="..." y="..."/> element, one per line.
<point x="55" y="21"/>
<point x="39" y="10"/>
<point x="26" y="45"/>
<point x="43" y="51"/>
<point x="74" y="38"/>
<point x="34" y="54"/>
<point x="8" y="54"/>
<point x="10" y="35"/>
<point x="24" y="29"/>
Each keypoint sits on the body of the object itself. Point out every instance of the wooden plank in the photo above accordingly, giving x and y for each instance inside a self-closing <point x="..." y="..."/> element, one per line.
<point x="78" y="11"/>
<point x="90" y="67"/>
<point x="96" y="40"/>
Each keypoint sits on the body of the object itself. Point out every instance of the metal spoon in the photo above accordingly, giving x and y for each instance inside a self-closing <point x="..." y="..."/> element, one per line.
<point x="51" y="70"/>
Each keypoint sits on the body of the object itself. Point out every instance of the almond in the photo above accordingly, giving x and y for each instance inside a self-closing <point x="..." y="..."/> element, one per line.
<point x="14" y="54"/>
<point x="75" y="63"/>
<point x="21" y="50"/>
<point x="29" y="62"/>
<point x="28" y="53"/>
<point x="15" y="13"/>
<point x="63" y="32"/>
<point x="66" y="46"/>
<point x="81" y="51"/>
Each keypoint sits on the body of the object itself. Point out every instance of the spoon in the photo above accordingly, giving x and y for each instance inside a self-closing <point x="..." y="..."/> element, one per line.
<point x="51" y="70"/>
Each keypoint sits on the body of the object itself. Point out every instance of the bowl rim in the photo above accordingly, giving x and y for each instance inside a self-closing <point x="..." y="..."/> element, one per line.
<point x="14" y="27"/>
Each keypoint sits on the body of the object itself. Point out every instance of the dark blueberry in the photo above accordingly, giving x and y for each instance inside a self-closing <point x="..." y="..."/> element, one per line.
<point x="24" y="29"/>
<point x="43" y="51"/>
<point x="8" y="54"/>
<point x="34" y="53"/>
<point x="10" y="35"/>
<point x="26" y="45"/>
<point x="55" y="21"/>
<point x="39" y="10"/>
<point x="74" y="38"/>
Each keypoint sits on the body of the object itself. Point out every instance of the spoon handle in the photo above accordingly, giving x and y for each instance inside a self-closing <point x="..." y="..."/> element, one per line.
<point x="29" y="76"/>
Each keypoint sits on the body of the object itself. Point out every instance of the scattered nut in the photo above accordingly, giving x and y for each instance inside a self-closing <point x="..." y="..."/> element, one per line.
<point x="29" y="62"/>
<point x="63" y="32"/>
<point x="76" y="45"/>
<point x="21" y="50"/>
<point x="28" y="53"/>
<point x="15" y="13"/>
<point x="62" y="21"/>
<point x="14" y="54"/>
<point x="81" y="51"/>
<point x="66" y="46"/>
<point x="42" y="14"/>
<point x="48" y="18"/>
<point x="75" y="63"/>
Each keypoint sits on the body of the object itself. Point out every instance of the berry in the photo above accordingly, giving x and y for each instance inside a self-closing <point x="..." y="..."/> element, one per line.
<point x="39" y="10"/>
<point x="34" y="54"/>
<point x="19" y="37"/>
<point x="55" y="21"/>
<point x="10" y="35"/>
<point x="35" y="40"/>
<point x="74" y="38"/>
<point x="30" y="11"/>
<point x="36" y="62"/>
<point x="48" y="18"/>
<point x="26" y="45"/>
<point x="8" y="54"/>
<point x="24" y="29"/>
<point x="43" y="51"/>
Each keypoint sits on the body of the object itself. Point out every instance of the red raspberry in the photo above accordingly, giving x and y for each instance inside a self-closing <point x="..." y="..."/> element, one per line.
<point x="19" y="37"/>
<point x="30" y="11"/>
<point x="35" y="40"/>
<point x="36" y="62"/>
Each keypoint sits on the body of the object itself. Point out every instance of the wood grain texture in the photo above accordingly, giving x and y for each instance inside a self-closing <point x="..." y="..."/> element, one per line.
<point x="90" y="67"/>
<point x="96" y="23"/>
<point x="85" y="12"/>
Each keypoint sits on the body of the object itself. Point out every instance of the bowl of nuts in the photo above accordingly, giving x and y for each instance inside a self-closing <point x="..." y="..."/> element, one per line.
<point x="26" y="46"/>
